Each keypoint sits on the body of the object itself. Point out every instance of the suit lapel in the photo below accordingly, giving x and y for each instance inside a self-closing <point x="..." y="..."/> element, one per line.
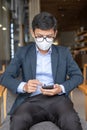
<point x="54" y="60"/>
<point x="33" y="61"/>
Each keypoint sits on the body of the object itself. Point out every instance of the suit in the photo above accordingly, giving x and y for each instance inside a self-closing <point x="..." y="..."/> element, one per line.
<point x="25" y="61"/>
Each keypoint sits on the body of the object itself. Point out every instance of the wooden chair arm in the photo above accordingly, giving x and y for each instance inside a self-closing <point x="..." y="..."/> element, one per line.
<point x="2" y="88"/>
<point x="83" y="88"/>
<point x="3" y="69"/>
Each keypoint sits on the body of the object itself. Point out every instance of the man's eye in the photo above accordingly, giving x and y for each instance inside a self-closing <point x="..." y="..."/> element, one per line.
<point x="50" y="37"/>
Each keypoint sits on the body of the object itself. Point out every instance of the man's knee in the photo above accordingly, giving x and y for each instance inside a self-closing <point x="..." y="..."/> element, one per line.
<point x="70" y="121"/>
<point x="20" y="122"/>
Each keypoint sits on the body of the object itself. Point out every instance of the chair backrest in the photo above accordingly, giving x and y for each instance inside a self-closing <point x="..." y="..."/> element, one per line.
<point x="85" y="74"/>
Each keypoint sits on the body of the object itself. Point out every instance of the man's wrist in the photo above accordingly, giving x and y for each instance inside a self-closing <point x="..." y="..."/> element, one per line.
<point x="20" y="87"/>
<point x="59" y="88"/>
<point x="63" y="89"/>
<point x="24" y="88"/>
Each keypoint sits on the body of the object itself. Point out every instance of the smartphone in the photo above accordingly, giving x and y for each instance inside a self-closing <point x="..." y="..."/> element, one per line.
<point x="47" y="87"/>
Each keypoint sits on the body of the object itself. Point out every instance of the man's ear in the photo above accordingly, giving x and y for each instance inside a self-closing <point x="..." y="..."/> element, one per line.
<point x="32" y="33"/>
<point x="56" y="33"/>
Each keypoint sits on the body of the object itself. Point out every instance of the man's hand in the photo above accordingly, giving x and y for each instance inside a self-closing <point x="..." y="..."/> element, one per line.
<point x="51" y="92"/>
<point x="31" y="86"/>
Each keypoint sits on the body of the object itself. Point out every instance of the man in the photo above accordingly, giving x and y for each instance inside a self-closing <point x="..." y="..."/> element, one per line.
<point x="43" y="65"/>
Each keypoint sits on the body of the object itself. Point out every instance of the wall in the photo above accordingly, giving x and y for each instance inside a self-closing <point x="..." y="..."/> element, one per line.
<point x="67" y="38"/>
<point x="4" y="32"/>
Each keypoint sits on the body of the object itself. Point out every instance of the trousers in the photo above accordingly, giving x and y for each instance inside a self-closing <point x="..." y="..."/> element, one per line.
<point x="57" y="109"/>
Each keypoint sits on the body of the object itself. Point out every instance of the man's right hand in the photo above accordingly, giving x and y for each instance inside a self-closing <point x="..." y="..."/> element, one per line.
<point x="31" y="85"/>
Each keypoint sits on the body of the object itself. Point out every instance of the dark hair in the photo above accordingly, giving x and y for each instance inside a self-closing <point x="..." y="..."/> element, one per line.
<point x="44" y="21"/>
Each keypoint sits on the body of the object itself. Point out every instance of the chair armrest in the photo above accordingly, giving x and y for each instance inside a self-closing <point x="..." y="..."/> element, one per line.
<point x="83" y="88"/>
<point x="2" y="88"/>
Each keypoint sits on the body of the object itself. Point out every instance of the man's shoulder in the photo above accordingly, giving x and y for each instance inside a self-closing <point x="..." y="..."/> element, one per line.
<point x="61" y="48"/>
<point x="25" y="48"/>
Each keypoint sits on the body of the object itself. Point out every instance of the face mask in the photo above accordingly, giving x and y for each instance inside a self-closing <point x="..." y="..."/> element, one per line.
<point x="43" y="45"/>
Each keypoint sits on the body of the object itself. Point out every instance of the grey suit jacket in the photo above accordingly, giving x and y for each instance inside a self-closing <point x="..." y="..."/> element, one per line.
<point x="25" y="58"/>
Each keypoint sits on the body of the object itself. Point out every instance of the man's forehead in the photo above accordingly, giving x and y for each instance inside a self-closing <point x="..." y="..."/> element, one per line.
<point x="44" y="32"/>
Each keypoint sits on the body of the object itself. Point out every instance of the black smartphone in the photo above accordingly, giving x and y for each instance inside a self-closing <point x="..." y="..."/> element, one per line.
<point x="47" y="87"/>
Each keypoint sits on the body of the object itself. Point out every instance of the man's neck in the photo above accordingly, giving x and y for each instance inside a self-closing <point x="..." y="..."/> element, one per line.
<point x="43" y="52"/>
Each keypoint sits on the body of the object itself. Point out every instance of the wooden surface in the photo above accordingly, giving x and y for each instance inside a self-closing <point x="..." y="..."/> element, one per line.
<point x="3" y="94"/>
<point x="1" y="90"/>
<point x="83" y="88"/>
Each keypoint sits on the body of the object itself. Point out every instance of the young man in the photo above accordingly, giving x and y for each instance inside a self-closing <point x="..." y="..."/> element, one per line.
<point x="43" y="65"/>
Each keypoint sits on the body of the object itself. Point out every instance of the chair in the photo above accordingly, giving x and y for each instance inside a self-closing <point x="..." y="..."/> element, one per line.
<point x="45" y="125"/>
<point x="83" y="88"/>
<point x="3" y="93"/>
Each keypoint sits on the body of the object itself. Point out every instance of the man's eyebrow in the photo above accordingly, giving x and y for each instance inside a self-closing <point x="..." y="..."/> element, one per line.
<point x="37" y="33"/>
<point x="44" y="35"/>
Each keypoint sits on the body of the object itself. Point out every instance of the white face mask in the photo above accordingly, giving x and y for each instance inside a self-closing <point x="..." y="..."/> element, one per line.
<point x="43" y="45"/>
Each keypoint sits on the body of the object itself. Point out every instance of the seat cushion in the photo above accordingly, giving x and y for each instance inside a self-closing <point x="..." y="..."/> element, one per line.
<point x="46" y="125"/>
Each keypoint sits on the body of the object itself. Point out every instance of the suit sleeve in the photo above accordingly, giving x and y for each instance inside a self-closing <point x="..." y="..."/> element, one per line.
<point x="74" y="74"/>
<point x="10" y="77"/>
